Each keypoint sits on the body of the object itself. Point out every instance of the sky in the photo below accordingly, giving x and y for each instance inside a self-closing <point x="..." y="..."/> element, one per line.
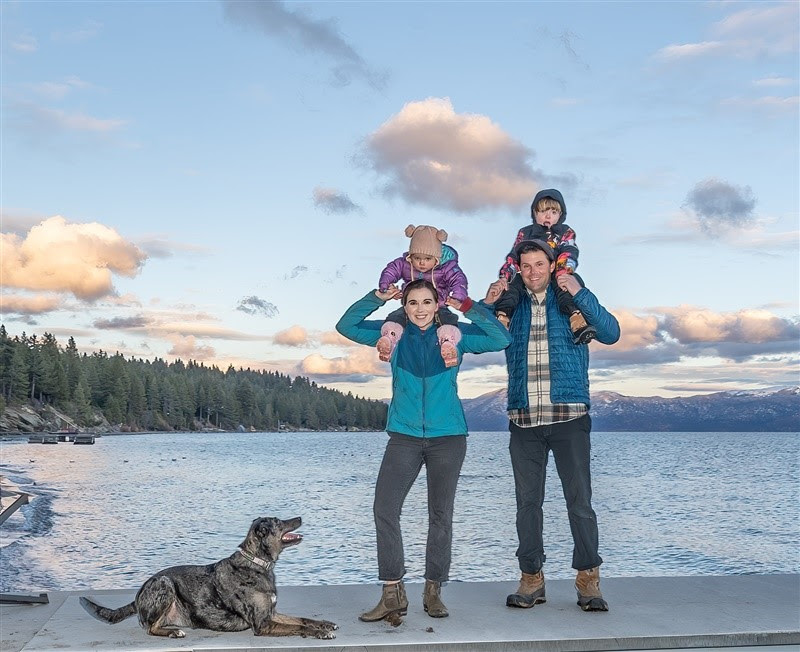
<point x="219" y="181"/>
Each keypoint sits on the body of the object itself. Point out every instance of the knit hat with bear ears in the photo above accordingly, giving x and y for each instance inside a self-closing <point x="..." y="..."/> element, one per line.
<point x="426" y="241"/>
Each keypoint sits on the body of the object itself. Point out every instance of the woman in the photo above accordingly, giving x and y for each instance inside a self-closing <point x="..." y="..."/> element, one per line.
<point x="426" y="425"/>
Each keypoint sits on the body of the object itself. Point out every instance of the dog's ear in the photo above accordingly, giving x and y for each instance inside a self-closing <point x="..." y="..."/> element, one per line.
<point x="250" y="542"/>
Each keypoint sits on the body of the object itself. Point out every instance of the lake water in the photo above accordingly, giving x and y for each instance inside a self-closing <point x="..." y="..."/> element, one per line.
<point x="109" y="515"/>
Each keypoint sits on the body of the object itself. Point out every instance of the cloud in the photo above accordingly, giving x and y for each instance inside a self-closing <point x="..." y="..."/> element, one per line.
<point x="359" y="365"/>
<point x="24" y="43"/>
<point x="693" y="50"/>
<point x="187" y="347"/>
<point x="306" y="34"/>
<point x="88" y="30"/>
<point x="566" y="39"/>
<point x="292" y="336"/>
<point x="774" y="80"/>
<point x="720" y="205"/>
<point x="209" y="331"/>
<point x="333" y="202"/>
<point x="68" y="257"/>
<point x="18" y="222"/>
<point x="769" y="30"/>
<point x="122" y="323"/>
<point x="296" y="271"/>
<point x="746" y="34"/>
<point x="637" y="332"/>
<point x="672" y="334"/>
<point x="25" y="305"/>
<point x="57" y="90"/>
<point x="766" y="102"/>
<point x="483" y="360"/>
<point x="749" y="326"/>
<point x="431" y="155"/>
<point x="253" y="305"/>
<point x="34" y="117"/>
<point x="546" y="39"/>
<point x="334" y="338"/>
<point x="158" y="247"/>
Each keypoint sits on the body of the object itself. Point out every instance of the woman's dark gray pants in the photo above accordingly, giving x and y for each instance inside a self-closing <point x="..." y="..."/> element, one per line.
<point x="529" y="448"/>
<point x="402" y="462"/>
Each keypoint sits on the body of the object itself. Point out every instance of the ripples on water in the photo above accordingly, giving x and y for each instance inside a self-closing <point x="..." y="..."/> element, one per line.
<point x="109" y="515"/>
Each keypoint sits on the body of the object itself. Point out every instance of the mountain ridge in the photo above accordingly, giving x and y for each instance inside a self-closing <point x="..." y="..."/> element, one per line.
<point x="770" y="410"/>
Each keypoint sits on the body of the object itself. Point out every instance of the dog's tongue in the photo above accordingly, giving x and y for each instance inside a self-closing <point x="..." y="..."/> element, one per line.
<point x="291" y="536"/>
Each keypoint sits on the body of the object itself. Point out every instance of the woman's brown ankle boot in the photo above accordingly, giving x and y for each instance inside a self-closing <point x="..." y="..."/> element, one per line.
<point x="393" y="602"/>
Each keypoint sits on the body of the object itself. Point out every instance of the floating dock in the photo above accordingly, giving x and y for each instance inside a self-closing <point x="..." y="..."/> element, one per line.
<point x="745" y="612"/>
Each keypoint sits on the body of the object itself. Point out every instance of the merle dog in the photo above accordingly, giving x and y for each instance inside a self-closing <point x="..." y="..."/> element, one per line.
<point x="231" y="595"/>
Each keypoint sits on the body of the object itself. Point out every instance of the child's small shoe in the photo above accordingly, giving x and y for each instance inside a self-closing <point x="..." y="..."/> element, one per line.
<point x="390" y="334"/>
<point x="582" y="331"/>
<point x="449" y="336"/>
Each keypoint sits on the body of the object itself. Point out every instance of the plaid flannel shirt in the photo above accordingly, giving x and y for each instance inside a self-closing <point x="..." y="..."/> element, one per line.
<point x="541" y="412"/>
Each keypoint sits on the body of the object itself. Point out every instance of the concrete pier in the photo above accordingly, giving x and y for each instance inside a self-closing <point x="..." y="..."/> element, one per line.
<point x="646" y="613"/>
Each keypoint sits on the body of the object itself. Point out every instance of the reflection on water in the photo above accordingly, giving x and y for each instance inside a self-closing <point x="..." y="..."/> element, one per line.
<point x="109" y="515"/>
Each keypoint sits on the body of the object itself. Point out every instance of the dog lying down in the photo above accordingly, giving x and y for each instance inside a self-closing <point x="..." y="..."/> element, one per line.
<point x="231" y="595"/>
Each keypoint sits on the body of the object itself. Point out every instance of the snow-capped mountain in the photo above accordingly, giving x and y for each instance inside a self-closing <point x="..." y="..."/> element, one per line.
<point x="775" y="410"/>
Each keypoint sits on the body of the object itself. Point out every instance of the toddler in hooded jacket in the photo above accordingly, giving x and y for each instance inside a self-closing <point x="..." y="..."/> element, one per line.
<point x="548" y="212"/>
<point x="427" y="257"/>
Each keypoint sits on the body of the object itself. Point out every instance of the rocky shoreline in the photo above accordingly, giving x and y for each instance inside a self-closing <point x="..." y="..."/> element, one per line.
<point x="17" y="421"/>
<point x="24" y="420"/>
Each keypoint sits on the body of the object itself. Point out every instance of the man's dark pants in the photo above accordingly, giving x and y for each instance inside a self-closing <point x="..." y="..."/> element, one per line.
<point x="529" y="448"/>
<point x="402" y="462"/>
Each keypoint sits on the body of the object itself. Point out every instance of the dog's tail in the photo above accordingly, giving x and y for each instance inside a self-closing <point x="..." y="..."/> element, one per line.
<point x="112" y="616"/>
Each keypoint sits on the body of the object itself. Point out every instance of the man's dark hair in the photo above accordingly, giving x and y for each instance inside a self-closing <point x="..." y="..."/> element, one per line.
<point x="416" y="285"/>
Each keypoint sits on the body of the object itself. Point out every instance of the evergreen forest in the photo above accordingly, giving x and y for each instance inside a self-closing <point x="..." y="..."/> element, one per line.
<point x="141" y="394"/>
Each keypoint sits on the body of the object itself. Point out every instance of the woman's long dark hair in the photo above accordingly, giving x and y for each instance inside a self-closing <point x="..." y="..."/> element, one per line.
<point x="416" y="285"/>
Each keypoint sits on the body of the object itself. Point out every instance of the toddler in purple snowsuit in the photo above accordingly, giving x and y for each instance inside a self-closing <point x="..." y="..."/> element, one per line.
<point x="426" y="258"/>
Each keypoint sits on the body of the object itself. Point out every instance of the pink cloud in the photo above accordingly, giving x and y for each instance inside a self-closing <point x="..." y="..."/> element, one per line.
<point x="461" y="161"/>
<point x="186" y="347"/>
<point x="636" y="331"/>
<point x="28" y="305"/>
<point x="688" y="325"/>
<point x="67" y="257"/>
<point x="292" y="336"/>
<point x="362" y="361"/>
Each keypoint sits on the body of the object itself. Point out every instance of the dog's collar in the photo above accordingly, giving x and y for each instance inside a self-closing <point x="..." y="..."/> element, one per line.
<point x="256" y="560"/>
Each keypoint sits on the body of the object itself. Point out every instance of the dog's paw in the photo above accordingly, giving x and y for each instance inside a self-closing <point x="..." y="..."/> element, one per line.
<point x="328" y="625"/>
<point x="177" y="633"/>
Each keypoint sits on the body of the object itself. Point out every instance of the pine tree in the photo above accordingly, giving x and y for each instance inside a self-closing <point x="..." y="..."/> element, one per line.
<point x="72" y="362"/>
<point x="82" y="410"/>
<point x="6" y="355"/>
<point x="20" y="378"/>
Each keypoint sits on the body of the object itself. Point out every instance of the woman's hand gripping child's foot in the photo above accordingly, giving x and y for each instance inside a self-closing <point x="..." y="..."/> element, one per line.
<point x="390" y="331"/>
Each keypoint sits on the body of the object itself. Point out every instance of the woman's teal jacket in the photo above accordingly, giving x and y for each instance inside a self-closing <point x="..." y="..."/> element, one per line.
<point x="425" y="399"/>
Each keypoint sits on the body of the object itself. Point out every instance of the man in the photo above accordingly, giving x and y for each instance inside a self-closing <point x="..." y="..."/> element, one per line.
<point x="548" y="409"/>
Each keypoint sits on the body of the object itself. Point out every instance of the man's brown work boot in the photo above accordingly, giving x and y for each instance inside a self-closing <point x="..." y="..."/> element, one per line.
<point x="582" y="332"/>
<point x="587" y="584"/>
<point x="432" y="600"/>
<point x="392" y="605"/>
<point x="529" y="593"/>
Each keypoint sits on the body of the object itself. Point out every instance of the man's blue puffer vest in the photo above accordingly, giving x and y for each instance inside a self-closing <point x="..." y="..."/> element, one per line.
<point x="569" y="363"/>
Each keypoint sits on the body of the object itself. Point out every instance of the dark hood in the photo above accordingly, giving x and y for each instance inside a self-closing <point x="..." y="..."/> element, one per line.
<point x="552" y="193"/>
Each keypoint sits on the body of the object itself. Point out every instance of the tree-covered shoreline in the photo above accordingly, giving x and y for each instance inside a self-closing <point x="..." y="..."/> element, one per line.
<point x="138" y="394"/>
